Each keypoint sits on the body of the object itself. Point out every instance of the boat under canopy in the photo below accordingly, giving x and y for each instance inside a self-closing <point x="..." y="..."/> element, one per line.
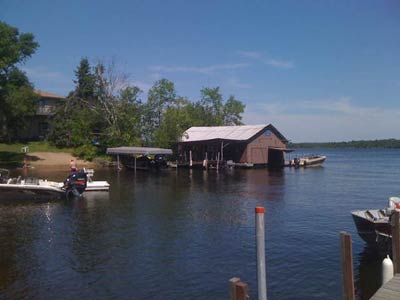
<point x="137" y="157"/>
<point x="138" y="151"/>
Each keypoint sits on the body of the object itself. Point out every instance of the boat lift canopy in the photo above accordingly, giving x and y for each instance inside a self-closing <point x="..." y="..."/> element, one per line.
<point x="137" y="151"/>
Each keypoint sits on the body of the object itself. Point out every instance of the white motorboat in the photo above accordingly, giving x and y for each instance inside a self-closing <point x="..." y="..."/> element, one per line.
<point x="95" y="185"/>
<point x="34" y="188"/>
<point x="308" y="161"/>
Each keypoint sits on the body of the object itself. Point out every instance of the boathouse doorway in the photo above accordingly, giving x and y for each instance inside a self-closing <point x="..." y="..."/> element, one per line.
<point x="276" y="157"/>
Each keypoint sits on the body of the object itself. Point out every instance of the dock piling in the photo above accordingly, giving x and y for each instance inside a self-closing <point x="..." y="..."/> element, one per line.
<point x="260" y="237"/>
<point x="396" y="241"/>
<point x="238" y="290"/>
<point x="347" y="266"/>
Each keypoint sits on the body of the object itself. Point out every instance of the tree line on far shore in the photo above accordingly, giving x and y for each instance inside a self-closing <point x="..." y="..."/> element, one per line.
<point x="104" y="109"/>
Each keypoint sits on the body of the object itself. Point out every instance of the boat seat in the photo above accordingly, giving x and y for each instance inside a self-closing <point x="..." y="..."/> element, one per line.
<point x="381" y="213"/>
<point x="370" y="215"/>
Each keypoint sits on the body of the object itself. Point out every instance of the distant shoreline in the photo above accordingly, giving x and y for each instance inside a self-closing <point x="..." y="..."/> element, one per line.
<point x="362" y="144"/>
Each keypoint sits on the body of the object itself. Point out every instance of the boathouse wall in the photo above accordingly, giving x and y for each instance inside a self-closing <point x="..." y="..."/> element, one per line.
<point x="257" y="150"/>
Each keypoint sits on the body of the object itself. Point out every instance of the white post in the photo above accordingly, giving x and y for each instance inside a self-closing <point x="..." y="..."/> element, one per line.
<point x="222" y="150"/>
<point x="118" y="165"/>
<point x="260" y="237"/>
<point x="190" y="158"/>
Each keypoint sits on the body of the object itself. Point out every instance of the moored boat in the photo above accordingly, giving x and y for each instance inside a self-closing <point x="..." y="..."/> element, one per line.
<point x="372" y="223"/>
<point x="308" y="161"/>
<point x="36" y="188"/>
<point x="95" y="185"/>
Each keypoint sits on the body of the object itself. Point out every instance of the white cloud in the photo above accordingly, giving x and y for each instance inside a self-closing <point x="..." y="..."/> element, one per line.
<point x="341" y="106"/>
<point x="144" y="86"/>
<point x="42" y="73"/>
<point x="48" y="80"/>
<point x="258" y="56"/>
<point x="236" y="83"/>
<point x="326" y="120"/>
<point x="201" y="70"/>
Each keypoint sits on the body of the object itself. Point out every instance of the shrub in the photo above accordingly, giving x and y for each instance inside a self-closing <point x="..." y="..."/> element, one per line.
<point x="87" y="152"/>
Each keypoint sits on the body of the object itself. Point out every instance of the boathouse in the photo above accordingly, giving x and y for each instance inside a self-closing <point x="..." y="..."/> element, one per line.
<point x="243" y="146"/>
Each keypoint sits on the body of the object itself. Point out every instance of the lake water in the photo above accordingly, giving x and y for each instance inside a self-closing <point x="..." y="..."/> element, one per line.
<point x="183" y="234"/>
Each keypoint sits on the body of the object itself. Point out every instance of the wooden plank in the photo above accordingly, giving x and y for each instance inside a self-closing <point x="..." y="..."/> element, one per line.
<point x="347" y="266"/>
<point x="390" y="291"/>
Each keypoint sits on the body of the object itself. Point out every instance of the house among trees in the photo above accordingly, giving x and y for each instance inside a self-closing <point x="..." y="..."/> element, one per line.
<point x="46" y="108"/>
<point x="246" y="146"/>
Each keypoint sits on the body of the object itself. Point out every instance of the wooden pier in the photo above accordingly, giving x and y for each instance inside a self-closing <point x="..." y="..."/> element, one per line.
<point x="389" y="291"/>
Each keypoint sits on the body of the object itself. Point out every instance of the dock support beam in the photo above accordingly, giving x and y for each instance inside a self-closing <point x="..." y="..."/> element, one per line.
<point x="222" y="151"/>
<point x="347" y="266"/>
<point x="396" y="241"/>
<point x="238" y="290"/>
<point x="260" y="237"/>
<point x="118" y="165"/>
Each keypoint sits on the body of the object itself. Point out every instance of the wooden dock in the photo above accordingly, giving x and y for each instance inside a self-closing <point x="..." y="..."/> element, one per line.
<point x="389" y="291"/>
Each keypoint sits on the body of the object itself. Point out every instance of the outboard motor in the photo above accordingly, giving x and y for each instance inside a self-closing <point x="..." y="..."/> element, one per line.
<point x="75" y="184"/>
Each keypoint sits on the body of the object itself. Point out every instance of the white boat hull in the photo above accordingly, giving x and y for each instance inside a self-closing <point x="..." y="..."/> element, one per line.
<point x="43" y="190"/>
<point x="97" y="186"/>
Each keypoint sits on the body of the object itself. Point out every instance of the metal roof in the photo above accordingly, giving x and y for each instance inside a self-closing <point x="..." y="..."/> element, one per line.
<point x="47" y="94"/>
<point x="235" y="133"/>
<point x="138" y="151"/>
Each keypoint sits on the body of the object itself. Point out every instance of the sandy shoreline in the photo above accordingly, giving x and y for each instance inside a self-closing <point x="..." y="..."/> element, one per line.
<point x="56" y="160"/>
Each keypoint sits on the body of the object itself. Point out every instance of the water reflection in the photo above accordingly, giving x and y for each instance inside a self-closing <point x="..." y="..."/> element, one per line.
<point x="368" y="280"/>
<point x="168" y="235"/>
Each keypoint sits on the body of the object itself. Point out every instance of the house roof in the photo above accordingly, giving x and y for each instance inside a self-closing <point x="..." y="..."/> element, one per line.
<point x="138" y="151"/>
<point x="232" y="133"/>
<point x="48" y="95"/>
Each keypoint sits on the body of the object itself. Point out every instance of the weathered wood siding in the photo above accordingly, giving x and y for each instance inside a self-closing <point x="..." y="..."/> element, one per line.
<point x="257" y="150"/>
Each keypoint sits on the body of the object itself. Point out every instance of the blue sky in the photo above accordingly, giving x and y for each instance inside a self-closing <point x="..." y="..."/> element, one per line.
<point x="317" y="70"/>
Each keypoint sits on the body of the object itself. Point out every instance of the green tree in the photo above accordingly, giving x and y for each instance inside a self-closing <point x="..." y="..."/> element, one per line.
<point x="17" y="98"/>
<point x="161" y="96"/>
<point x="102" y="108"/>
<point x="212" y="107"/>
<point x="74" y="122"/>
<point x="233" y="110"/>
<point x="175" y="121"/>
<point x="85" y="80"/>
<point x="128" y="109"/>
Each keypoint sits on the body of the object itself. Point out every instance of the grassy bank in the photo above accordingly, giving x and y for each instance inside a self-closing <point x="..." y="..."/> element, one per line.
<point x="33" y="147"/>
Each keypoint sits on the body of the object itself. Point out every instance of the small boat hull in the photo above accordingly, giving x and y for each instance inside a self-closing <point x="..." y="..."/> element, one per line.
<point x="313" y="161"/>
<point x="368" y="222"/>
<point x="28" y="192"/>
<point x="307" y="161"/>
<point x="97" y="186"/>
